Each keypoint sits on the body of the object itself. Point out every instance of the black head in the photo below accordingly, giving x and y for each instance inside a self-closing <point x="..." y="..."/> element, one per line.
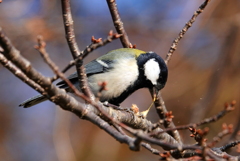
<point x="153" y="71"/>
<point x="153" y="74"/>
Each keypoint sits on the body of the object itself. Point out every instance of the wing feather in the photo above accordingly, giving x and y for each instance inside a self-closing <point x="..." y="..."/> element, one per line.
<point x="93" y="67"/>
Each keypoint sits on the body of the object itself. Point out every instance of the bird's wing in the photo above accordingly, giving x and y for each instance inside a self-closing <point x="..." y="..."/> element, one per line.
<point x="98" y="66"/>
<point x="94" y="67"/>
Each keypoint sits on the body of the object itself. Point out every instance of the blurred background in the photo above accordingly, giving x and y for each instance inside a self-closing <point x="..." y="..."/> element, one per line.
<point x="204" y="73"/>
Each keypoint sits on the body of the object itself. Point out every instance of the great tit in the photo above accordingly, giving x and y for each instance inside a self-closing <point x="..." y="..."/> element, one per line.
<point x="124" y="70"/>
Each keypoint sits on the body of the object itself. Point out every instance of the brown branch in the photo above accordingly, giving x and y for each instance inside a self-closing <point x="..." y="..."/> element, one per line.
<point x="188" y="154"/>
<point x="229" y="145"/>
<point x="69" y="29"/>
<point x="208" y="154"/>
<point x="199" y="135"/>
<point x="70" y="36"/>
<point x="165" y="145"/>
<point x="162" y="111"/>
<point x="118" y="23"/>
<point x="217" y="154"/>
<point x="152" y="150"/>
<point x="227" y="129"/>
<point x="111" y="130"/>
<point x="166" y="141"/>
<point x="127" y="120"/>
<point x="228" y="108"/>
<point x="184" y="30"/>
<point x="143" y="144"/>
<point x="41" y="49"/>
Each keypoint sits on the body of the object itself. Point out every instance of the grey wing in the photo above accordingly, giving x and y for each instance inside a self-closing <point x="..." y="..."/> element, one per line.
<point x="93" y="67"/>
<point x="98" y="66"/>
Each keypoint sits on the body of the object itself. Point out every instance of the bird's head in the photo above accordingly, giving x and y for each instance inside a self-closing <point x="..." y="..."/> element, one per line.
<point x="153" y="71"/>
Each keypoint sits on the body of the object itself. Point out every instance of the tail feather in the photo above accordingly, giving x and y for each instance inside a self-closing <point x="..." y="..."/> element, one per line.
<point x="33" y="101"/>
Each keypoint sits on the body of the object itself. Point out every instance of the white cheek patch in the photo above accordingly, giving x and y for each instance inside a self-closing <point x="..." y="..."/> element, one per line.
<point x="152" y="71"/>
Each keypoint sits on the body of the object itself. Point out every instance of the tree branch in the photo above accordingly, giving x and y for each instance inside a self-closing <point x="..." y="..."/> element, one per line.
<point x="228" y="108"/>
<point x="162" y="111"/>
<point x="118" y="23"/>
<point x="70" y="36"/>
<point x="184" y="30"/>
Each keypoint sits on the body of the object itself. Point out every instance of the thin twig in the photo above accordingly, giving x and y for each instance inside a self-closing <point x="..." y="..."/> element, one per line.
<point x="199" y="135"/>
<point x="118" y="23"/>
<point x="228" y="108"/>
<point x="70" y="36"/>
<point x="40" y="47"/>
<point x="118" y="128"/>
<point x="99" y="43"/>
<point x="152" y="150"/>
<point x="162" y="111"/>
<point x="184" y="30"/>
<point x="69" y="29"/>
<point x="218" y="154"/>
<point x="229" y="145"/>
<point x="227" y="129"/>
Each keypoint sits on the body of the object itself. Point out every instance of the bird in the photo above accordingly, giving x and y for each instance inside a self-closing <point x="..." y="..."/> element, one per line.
<point x="124" y="70"/>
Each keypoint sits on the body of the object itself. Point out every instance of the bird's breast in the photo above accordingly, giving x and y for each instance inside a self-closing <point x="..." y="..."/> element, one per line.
<point x="118" y="79"/>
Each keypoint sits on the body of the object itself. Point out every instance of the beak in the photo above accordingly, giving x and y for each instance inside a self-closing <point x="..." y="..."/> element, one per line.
<point x="154" y="92"/>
